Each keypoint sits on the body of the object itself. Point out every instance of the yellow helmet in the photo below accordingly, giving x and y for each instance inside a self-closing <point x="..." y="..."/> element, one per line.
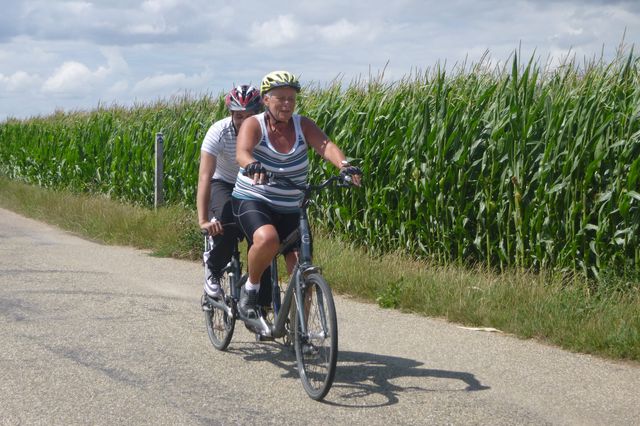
<point x="279" y="79"/>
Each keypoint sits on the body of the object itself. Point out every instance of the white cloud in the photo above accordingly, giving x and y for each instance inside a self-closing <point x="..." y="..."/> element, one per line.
<point x="344" y="30"/>
<point x="75" y="78"/>
<point x="159" y="6"/>
<point x="77" y="7"/>
<point x="276" y="32"/>
<point x="167" y="84"/>
<point x="286" y="30"/>
<point x="19" y="81"/>
<point x="156" y="28"/>
<point x="117" y="23"/>
<point x="70" y="77"/>
<point x="76" y="53"/>
<point x="118" y="88"/>
<point x="115" y="62"/>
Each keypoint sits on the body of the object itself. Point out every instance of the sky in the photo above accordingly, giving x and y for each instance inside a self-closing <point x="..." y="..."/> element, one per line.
<point x="76" y="55"/>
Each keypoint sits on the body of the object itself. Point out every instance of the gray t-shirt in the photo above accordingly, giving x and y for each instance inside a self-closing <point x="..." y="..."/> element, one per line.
<point x="220" y="141"/>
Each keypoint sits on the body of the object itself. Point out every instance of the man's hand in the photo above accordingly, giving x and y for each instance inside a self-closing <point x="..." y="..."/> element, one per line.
<point x="213" y="227"/>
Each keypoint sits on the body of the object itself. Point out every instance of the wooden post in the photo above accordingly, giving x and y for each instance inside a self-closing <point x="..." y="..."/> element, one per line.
<point x="159" y="198"/>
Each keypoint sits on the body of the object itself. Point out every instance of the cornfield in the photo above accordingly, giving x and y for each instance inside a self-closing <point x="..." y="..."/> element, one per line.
<point x="111" y="150"/>
<point x="510" y="167"/>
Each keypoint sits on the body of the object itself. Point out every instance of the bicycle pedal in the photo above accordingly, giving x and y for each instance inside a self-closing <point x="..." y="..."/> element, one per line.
<point x="309" y="350"/>
<point x="261" y="338"/>
<point x="251" y="328"/>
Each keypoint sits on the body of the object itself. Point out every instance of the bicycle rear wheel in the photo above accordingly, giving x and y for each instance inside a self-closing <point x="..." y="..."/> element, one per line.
<point x="317" y="350"/>
<point x="220" y="326"/>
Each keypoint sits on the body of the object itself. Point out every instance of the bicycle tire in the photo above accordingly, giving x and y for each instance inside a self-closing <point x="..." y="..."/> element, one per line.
<point x="317" y="352"/>
<point x="220" y="326"/>
<point x="289" y="336"/>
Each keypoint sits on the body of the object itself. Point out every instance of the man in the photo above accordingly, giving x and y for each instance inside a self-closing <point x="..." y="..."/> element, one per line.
<point x="216" y="179"/>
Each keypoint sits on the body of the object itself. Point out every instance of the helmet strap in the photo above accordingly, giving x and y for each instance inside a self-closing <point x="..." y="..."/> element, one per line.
<point x="233" y="123"/>
<point x="273" y="117"/>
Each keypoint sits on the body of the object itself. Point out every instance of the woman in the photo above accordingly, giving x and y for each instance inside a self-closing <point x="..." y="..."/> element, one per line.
<point x="276" y="140"/>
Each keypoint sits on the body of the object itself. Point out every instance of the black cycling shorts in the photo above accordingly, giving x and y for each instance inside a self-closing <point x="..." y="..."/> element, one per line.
<point x="220" y="201"/>
<point x="251" y="215"/>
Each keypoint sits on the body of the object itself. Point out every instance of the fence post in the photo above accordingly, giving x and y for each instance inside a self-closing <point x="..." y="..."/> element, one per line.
<point x="159" y="198"/>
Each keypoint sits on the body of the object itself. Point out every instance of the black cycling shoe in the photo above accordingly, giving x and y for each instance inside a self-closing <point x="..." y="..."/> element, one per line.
<point x="247" y="303"/>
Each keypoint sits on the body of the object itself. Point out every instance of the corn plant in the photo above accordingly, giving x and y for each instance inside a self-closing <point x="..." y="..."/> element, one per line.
<point x="518" y="166"/>
<point x="512" y="167"/>
<point x="110" y="150"/>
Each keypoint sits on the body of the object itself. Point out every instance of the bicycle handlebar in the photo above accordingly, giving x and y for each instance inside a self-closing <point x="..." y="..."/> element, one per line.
<point x="204" y="232"/>
<point x="342" y="181"/>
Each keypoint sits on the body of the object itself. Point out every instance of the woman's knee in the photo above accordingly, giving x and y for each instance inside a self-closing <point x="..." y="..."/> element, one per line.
<point x="266" y="237"/>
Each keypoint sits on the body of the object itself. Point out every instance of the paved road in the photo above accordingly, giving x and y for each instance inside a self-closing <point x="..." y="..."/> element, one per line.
<point x="93" y="334"/>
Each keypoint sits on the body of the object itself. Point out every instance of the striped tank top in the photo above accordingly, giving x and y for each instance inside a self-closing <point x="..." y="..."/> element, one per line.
<point x="293" y="164"/>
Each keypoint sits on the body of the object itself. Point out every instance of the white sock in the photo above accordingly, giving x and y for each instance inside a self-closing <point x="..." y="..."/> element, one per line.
<point x="250" y="286"/>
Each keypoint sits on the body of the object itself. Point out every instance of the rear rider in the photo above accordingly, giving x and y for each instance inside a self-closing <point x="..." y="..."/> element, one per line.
<point x="216" y="178"/>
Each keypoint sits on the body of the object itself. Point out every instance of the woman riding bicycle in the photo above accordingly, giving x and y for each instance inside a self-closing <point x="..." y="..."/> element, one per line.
<point x="276" y="140"/>
<point x="217" y="175"/>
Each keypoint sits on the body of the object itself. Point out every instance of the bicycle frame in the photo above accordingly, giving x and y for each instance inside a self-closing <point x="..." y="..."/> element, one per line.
<point x="281" y="305"/>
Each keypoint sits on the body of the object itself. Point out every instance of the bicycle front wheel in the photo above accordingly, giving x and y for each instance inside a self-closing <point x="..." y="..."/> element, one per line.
<point x="317" y="349"/>
<point x="220" y="326"/>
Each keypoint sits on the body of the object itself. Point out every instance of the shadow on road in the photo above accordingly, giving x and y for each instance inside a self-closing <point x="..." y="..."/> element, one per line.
<point x="366" y="380"/>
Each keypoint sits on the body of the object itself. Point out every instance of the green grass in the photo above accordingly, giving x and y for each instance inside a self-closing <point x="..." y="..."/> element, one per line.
<point x="562" y="309"/>
<point x="166" y="232"/>
<point x="555" y="308"/>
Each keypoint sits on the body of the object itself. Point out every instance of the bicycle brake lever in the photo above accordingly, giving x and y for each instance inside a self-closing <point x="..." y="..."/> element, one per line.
<point x="345" y="181"/>
<point x="271" y="179"/>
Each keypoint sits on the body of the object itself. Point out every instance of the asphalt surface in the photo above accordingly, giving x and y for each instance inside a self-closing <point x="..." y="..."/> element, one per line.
<point x="104" y="335"/>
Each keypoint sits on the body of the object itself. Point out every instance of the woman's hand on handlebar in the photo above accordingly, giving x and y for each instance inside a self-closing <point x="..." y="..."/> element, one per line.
<point x="351" y="174"/>
<point x="213" y="227"/>
<point x="256" y="172"/>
